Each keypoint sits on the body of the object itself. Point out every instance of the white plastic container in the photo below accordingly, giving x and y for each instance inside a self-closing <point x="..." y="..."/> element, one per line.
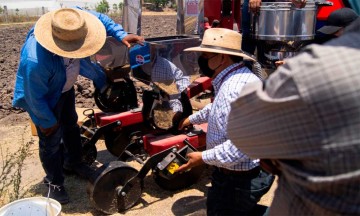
<point x="34" y="206"/>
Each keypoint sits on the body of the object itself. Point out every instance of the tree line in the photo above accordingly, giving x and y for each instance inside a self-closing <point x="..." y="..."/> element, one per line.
<point x="104" y="7"/>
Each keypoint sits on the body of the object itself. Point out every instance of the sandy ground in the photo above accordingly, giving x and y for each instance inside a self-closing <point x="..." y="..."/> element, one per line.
<point x="154" y="200"/>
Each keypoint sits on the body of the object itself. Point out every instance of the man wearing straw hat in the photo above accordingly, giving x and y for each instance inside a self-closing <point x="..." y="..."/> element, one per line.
<point x="55" y="52"/>
<point x="238" y="183"/>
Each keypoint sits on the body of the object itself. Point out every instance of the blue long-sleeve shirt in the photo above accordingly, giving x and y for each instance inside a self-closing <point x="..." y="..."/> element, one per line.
<point x="41" y="75"/>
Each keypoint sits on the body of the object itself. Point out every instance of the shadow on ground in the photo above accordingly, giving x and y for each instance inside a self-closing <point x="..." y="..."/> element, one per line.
<point x="152" y="194"/>
<point x="191" y="205"/>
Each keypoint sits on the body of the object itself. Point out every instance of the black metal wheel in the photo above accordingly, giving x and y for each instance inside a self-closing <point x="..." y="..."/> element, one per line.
<point x="117" y="141"/>
<point x="120" y="96"/>
<point x="106" y="190"/>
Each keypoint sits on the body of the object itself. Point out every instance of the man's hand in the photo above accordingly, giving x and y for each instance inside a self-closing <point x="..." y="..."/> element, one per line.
<point x="183" y="123"/>
<point x="195" y="159"/>
<point x="279" y="63"/>
<point x="299" y="3"/>
<point x="50" y="130"/>
<point x="132" y="38"/>
<point x="254" y="5"/>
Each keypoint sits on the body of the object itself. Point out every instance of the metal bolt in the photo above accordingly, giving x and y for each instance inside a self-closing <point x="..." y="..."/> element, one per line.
<point x="118" y="191"/>
<point x="160" y="166"/>
<point x="123" y="194"/>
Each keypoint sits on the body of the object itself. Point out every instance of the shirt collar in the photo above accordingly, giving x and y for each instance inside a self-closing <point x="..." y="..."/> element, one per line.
<point x="217" y="81"/>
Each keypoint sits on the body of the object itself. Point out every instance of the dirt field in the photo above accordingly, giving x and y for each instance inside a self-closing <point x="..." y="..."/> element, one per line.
<point x="12" y="38"/>
<point x="15" y="131"/>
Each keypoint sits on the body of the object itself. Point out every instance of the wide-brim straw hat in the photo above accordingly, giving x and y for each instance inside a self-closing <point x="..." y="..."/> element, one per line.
<point x="70" y="33"/>
<point x="223" y="41"/>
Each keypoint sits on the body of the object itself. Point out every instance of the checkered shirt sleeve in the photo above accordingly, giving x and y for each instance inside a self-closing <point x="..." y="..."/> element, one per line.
<point x="201" y="116"/>
<point x="220" y="150"/>
<point x="165" y="71"/>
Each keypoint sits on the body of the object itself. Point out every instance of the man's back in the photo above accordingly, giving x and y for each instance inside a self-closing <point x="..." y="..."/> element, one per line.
<point x="310" y="123"/>
<point x="326" y="174"/>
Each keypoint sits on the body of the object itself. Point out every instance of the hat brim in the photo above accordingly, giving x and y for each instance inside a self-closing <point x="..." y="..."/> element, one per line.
<point x="329" y="29"/>
<point x="221" y="51"/>
<point x="92" y="43"/>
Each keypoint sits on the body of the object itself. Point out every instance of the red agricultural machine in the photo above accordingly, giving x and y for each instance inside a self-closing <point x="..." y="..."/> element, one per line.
<point x="144" y="129"/>
<point x="141" y="122"/>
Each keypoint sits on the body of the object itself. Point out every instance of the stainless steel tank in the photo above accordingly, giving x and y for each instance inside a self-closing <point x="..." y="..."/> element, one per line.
<point x="162" y="63"/>
<point x="282" y="21"/>
<point x="282" y="30"/>
<point x="167" y="60"/>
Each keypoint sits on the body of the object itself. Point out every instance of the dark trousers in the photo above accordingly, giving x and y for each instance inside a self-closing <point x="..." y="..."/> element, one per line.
<point x="64" y="145"/>
<point x="248" y="44"/>
<point x="232" y="194"/>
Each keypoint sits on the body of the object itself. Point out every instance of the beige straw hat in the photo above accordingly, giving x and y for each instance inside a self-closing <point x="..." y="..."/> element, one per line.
<point x="221" y="40"/>
<point x="70" y="33"/>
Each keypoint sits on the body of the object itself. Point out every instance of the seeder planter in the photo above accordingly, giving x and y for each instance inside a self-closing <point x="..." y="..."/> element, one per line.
<point x="147" y="133"/>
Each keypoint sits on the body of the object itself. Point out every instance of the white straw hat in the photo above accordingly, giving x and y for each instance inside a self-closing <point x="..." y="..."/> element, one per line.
<point x="70" y="33"/>
<point x="224" y="41"/>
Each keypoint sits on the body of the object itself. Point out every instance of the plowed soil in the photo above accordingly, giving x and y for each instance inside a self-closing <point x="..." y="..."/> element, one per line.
<point x="154" y="24"/>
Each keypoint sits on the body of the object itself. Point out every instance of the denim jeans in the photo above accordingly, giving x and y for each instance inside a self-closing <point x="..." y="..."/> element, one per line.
<point x="236" y="195"/>
<point x="64" y="145"/>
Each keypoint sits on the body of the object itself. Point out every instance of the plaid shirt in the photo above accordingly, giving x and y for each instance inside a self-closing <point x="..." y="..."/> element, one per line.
<point x="307" y="119"/>
<point x="220" y="150"/>
<point x="165" y="71"/>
